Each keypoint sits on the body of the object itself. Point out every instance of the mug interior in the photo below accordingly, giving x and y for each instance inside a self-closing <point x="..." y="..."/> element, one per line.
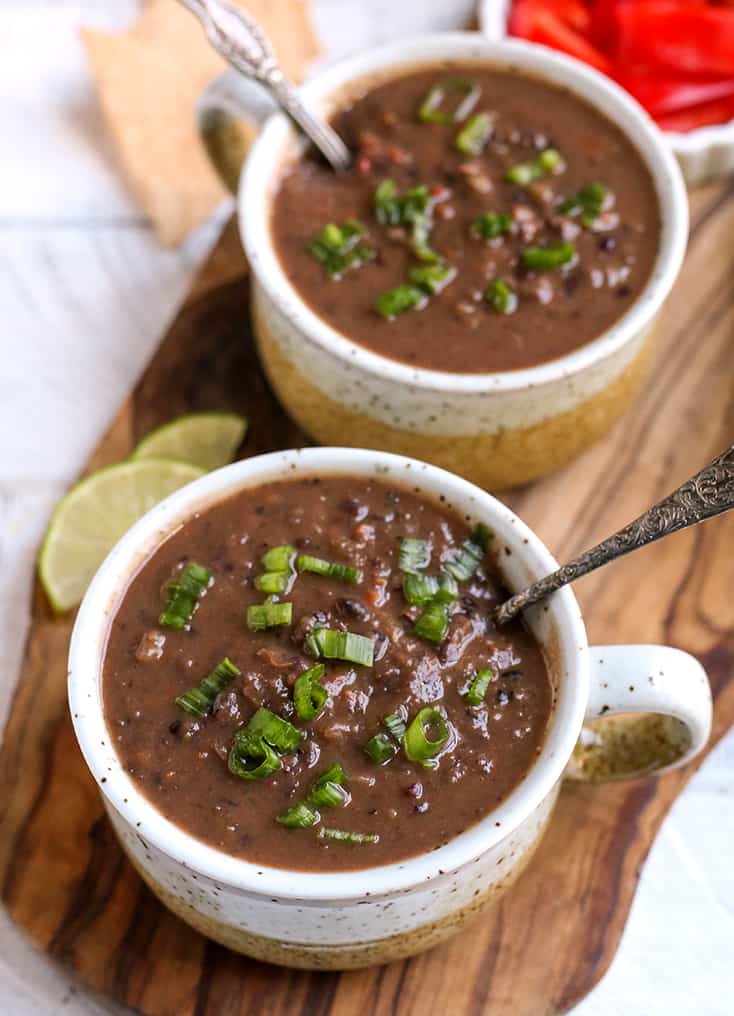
<point x="522" y="558"/>
<point x="278" y="144"/>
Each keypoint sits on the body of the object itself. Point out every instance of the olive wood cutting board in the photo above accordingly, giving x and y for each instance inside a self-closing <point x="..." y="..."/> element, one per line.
<point x="65" y="880"/>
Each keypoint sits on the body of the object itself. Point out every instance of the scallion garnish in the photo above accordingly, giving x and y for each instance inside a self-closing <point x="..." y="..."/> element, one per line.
<point x="492" y="224"/>
<point x="590" y="201"/>
<point x="381" y="748"/>
<point x="433" y="623"/>
<point x="278" y="565"/>
<point x="339" y="248"/>
<point x="432" y="278"/>
<point x="478" y="687"/>
<point x="273" y="582"/>
<point x="396" y="301"/>
<point x="328" y="791"/>
<point x="524" y="173"/>
<point x="298" y="816"/>
<point x="427" y="735"/>
<point x="344" y="836"/>
<point x="341" y="645"/>
<point x="552" y="256"/>
<point x="414" y="556"/>
<point x="278" y="558"/>
<point x="199" y="700"/>
<point x="500" y="297"/>
<point x="413" y="210"/>
<point x="269" y="614"/>
<point x="184" y="592"/>
<point x="309" y="696"/>
<point x="395" y="724"/>
<point x="421" y="589"/>
<point x="255" y="747"/>
<point x="431" y="108"/>
<point x="317" y="565"/>
<point x="473" y="137"/>
<point x="469" y="556"/>
<point x="388" y="206"/>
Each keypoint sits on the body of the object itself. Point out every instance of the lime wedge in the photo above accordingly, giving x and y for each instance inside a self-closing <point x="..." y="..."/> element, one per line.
<point x="208" y="440"/>
<point x="92" y="517"/>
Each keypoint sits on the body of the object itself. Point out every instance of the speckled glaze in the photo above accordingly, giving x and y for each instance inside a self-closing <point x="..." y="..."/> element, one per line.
<point x="349" y="919"/>
<point x="496" y="429"/>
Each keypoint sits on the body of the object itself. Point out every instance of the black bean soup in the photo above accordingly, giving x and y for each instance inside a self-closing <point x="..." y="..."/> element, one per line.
<point x="490" y="222"/>
<point x="306" y="675"/>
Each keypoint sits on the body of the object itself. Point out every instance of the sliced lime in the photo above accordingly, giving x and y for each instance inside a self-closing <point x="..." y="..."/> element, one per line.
<point x="92" y="517"/>
<point x="208" y="440"/>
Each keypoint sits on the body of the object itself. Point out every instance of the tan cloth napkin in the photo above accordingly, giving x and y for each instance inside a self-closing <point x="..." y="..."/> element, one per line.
<point x="149" y="79"/>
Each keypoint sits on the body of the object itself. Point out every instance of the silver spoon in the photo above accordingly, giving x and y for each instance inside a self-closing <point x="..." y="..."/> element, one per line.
<point x="708" y="493"/>
<point x="239" y="39"/>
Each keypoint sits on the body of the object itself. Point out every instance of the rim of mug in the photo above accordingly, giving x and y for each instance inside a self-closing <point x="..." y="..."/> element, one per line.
<point x="88" y="644"/>
<point x="267" y="155"/>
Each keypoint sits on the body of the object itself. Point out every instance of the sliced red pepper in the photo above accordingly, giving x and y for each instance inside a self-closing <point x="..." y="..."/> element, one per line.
<point x="534" y="21"/>
<point x="684" y="38"/>
<point x="705" y="115"/>
<point x="663" y="94"/>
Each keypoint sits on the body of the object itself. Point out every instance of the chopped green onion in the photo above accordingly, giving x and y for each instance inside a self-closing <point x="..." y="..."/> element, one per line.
<point x="415" y="555"/>
<point x="552" y="256"/>
<point x="268" y="614"/>
<point x="499" y="296"/>
<point x="421" y="589"/>
<point x="184" y="593"/>
<point x="309" y="697"/>
<point x="339" y="248"/>
<point x="255" y="747"/>
<point x="252" y="759"/>
<point x="317" y="565"/>
<point x="396" y="301"/>
<point x="493" y="224"/>
<point x="199" y="700"/>
<point x="469" y="556"/>
<point x="395" y="724"/>
<point x="278" y="558"/>
<point x="298" y="816"/>
<point x="345" y="836"/>
<point x="276" y="731"/>
<point x="478" y="687"/>
<point x="328" y="790"/>
<point x="433" y="622"/>
<point x="527" y="172"/>
<point x="418" y="744"/>
<point x="590" y="201"/>
<point x="388" y="207"/>
<point x="432" y="278"/>
<point x="430" y="110"/>
<point x="273" y="582"/>
<point x="414" y="210"/>
<point x="381" y="748"/>
<point x="341" y="645"/>
<point x="473" y="137"/>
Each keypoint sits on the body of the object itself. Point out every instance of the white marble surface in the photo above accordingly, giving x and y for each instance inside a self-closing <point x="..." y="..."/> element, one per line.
<point x="85" y="291"/>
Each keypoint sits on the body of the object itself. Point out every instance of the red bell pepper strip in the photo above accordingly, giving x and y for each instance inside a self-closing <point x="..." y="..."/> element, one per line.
<point x="536" y="22"/>
<point x="706" y="115"/>
<point x="684" y="38"/>
<point x="663" y="94"/>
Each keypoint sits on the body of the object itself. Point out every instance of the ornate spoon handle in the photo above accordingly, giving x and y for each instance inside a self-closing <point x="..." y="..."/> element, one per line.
<point x="706" y="494"/>
<point x="237" y="37"/>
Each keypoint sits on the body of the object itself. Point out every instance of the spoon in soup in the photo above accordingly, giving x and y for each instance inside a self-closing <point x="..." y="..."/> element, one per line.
<point x="708" y="493"/>
<point x="237" y="37"/>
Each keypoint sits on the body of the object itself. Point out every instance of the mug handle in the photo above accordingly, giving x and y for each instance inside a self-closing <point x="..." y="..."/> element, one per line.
<point x="230" y="112"/>
<point x="649" y="710"/>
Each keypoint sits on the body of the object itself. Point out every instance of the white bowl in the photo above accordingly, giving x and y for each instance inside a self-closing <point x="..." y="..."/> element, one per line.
<point x="703" y="154"/>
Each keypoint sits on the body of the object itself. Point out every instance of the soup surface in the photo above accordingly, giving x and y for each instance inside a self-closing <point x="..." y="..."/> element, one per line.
<point x="249" y="750"/>
<point x="489" y="222"/>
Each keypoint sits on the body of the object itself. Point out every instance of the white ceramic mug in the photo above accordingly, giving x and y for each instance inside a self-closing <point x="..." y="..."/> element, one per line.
<point x="496" y="429"/>
<point x="348" y="919"/>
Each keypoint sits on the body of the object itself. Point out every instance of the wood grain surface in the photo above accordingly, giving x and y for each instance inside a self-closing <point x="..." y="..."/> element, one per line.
<point x="65" y="880"/>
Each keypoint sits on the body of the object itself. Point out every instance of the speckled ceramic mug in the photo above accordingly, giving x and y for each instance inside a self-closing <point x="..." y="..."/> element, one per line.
<point x="495" y="429"/>
<point x="348" y="919"/>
